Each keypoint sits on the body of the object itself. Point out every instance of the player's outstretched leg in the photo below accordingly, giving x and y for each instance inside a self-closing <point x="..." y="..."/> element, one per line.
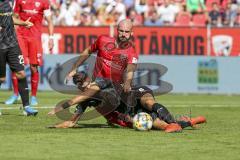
<point x="24" y="93"/>
<point x="193" y="121"/>
<point x="15" y="95"/>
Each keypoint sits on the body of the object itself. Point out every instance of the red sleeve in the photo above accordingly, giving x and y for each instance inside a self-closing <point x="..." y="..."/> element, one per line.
<point x="16" y="6"/>
<point x="132" y="56"/>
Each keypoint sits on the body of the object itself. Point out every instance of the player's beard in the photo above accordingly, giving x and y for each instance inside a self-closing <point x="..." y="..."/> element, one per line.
<point x="124" y="42"/>
<point x="124" y="39"/>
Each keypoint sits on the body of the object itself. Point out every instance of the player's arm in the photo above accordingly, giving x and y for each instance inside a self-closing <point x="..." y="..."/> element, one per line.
<point x="84" y="56"/>
<point x="131" y="67"/>
<point x="48" y="18"/>
<point x="129" y="77"/>
<point x="18" y="21"/>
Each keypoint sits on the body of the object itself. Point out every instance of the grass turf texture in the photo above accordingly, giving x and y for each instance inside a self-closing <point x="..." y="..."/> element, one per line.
<point x="28" y="138"/>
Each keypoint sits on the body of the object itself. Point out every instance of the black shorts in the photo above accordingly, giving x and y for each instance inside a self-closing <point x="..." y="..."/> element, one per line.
<point x="13" y="57"/>
<point x="140" y="91"/>
<point x="103" y="83"/>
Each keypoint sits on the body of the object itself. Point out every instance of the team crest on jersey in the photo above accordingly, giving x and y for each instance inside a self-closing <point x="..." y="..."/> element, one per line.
<point x="24" y="2"/>
<point x="37" y="4"/>
<point x="141" y="89"/>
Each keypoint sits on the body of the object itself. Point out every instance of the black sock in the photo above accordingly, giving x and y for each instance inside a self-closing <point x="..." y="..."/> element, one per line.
<point x="184" y="124"/>
<point x="163" y="113"/>
<point x="23" y="91"/>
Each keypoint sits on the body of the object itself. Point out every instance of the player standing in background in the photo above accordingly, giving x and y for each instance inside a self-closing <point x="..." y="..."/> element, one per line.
<point x="30" y="40"/>
<point x="10" y="52"/>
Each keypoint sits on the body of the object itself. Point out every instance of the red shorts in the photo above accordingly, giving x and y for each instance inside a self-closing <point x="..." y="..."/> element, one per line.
<point x="31" y="50"/>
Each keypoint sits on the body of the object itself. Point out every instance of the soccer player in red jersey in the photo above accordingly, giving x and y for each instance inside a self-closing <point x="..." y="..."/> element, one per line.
<point x="114" y="56"/>
<point x="30" y="40"/>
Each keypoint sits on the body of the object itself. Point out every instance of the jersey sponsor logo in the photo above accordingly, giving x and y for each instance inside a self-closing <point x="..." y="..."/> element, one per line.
<point x="23" y="2"/>
<point x="30" y="11"/>
<point x="141" y="89"/>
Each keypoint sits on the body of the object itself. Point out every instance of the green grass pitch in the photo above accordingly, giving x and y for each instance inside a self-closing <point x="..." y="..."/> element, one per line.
<point x="27" y="138"/>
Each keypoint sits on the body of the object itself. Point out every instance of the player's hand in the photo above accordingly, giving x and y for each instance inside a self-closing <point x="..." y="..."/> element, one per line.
<point x="127" y="87"/>
<point x="50" y="44"/>
<point x="51" y="113"/>
<point x="28" y="24"/>
<point x="66" y="124"/>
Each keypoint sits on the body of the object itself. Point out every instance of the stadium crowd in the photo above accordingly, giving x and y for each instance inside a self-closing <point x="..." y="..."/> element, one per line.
<point x="146" y="12"/>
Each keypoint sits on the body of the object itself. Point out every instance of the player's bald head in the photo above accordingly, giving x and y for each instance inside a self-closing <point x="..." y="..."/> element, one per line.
<point x="124" y="30"/>
<point x="125" y="24"/>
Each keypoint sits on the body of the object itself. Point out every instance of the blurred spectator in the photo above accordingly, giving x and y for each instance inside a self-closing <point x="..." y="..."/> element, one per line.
<point x="215" y="18"/>
<point x="141" y="7"/>
<point x="55" y="17"/>
<point x="129" y="3"/>
<point x="89" y="8"/>
<point x="183" y="18"/>
<point x="153" y="20"/>
<point x="237" y="20"/>
<point x="195" y="6"/>
<point x="99" y="18"/>
<point x="99" y="3"/>
<point x="69" y="14"/>
<point x="86" y="19"/>
<point x="230" y="14"/>
<point x="167" y="12"/>
<point x="136" y="19"/>
<point x="116" y="7"/>
<point x="143" y="12"/>
<point x="81" y="2"/>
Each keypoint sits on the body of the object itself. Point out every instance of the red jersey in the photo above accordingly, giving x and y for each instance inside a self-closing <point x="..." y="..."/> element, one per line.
<point x="34" y="9"/>
<point x="111" y="61"/>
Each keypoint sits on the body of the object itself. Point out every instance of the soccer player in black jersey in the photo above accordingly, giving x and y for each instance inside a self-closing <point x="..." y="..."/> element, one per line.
<point x="122" y="115"/>
<point x="10" y="52"/>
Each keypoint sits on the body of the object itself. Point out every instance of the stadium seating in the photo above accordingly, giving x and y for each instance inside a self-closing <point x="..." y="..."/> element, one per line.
<point x="183" y="19"/>
<point x="209" y="4"/>
<point x="199" y="20"/>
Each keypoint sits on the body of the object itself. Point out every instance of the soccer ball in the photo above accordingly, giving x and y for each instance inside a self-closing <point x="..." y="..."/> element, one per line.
<point x="142" y="121"/>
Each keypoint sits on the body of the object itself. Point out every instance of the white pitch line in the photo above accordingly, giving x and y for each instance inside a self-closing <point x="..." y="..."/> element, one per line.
<point x="13" y="108"/>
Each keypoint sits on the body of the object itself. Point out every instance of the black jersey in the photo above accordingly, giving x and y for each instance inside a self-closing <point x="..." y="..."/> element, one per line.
<point x="8" y="36"/>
